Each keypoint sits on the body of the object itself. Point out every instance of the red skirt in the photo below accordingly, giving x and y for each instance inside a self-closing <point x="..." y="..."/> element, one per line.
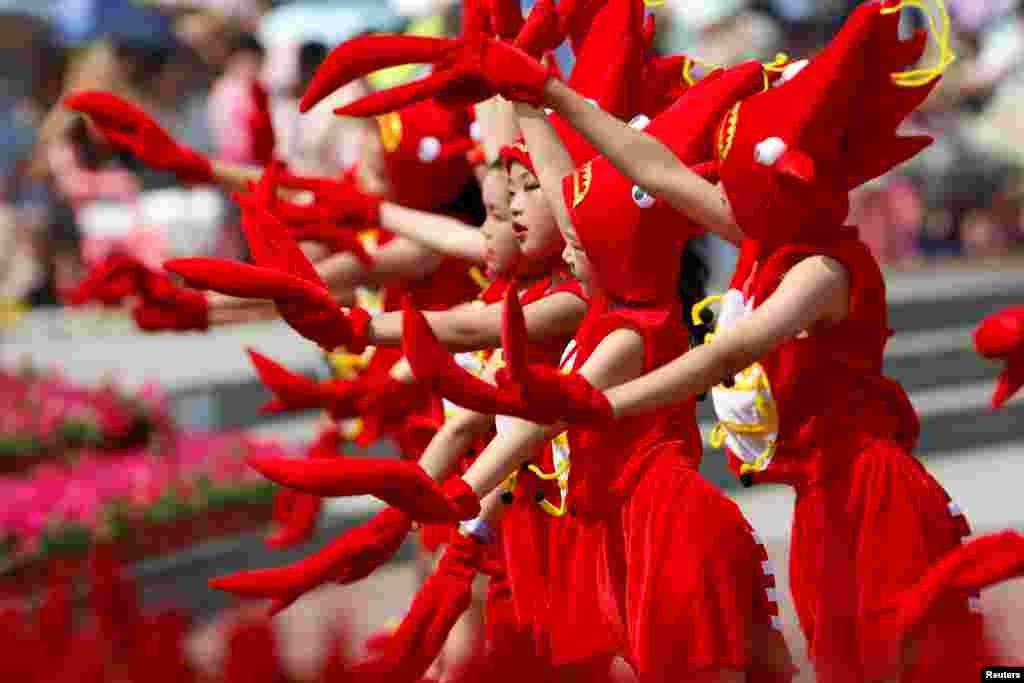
<point x="683" y="582"/>
<point x="865" y="573"/>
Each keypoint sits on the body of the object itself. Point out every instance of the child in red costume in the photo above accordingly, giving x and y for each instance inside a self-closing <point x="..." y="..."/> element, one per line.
<point x="808" y="302"/>
<point x="638" y="479"/>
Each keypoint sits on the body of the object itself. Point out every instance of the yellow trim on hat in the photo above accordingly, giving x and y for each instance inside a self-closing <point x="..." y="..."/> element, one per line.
<point x="390" y="126"/>
<point x="939" y="27"/>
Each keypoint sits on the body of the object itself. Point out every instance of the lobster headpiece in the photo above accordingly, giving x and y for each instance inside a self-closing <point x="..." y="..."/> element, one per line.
<point x="424" y="147"/>
<point x="789" y="156"/>
<point x="633" y="239"/>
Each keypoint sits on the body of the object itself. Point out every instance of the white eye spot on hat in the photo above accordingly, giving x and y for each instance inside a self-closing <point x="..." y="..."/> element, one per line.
<point x="475" y="133"/>
<point x="769" y="151"/>
<point x="640" y="122"/>
<point x="641" y="198"/>
<point x="429" y="149"/>
<point x="592" y="102"/>
<point x="791" y="71"/>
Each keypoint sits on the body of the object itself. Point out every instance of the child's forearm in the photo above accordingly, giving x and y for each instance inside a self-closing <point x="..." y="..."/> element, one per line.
<point x="646" y="160"/>
<point x="550" y="159"/>
<point x="228" y="310"/>
<point x="686" y="377"/>
<point x="455" y="437"/>
<point x="439" y="233"/>
<point x="512" y="448"/>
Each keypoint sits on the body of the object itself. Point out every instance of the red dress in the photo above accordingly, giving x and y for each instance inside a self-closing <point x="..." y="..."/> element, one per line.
<point x="869" y="520"/>
<point x="682" y="583"/>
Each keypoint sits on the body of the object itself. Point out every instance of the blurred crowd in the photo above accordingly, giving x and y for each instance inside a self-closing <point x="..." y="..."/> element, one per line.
<point x="193" y="63"/>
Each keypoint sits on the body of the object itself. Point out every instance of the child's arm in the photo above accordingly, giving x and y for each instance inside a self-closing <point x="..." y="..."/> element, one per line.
<point x="435" y="231"/>
<point x="647" y="161"/>
<point x="454" y="438"/>
<point x="399" y="259"/>
<point x="619" y="358"/>
<point x="471" y="327"/>
<point x="815" y="290"/>
<point x="550" y="158"/>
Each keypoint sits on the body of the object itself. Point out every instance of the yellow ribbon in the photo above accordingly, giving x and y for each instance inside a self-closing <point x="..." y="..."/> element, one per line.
<point x="937" y="26"/>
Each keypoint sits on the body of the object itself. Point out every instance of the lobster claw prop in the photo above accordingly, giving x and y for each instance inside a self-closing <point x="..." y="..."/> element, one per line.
<point x="352" y="556"/>
<point x="553" y="394"/>
<point x="1001" y="336"/>
<point x="466" y="70"/>
<point x="400" y="483"/>
<point x="282" y="274"/>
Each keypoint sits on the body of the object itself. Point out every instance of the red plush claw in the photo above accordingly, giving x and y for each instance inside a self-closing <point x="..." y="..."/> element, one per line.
<point x="305" y="508"/>
<point x="118" y="277"/>
<point x="339" y="240"/>
<point x="552" y="395"/>
<point x="335" y="202"/>
<point x="467" y="69"/>
<point x="1001" y="336"/>
<point x="129" y="128"/>
<point x="349" y="558"/>
<point x="295" y="392"/>
<point x="167" y="306"/>
<point x="444" y="597"/>
<point x="399" y="483"/>
<point x="434" y="366"/>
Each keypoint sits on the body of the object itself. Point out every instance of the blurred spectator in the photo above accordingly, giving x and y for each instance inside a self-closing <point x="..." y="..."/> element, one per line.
<point x="231" y="104"/>
<point x="316" y="143"/>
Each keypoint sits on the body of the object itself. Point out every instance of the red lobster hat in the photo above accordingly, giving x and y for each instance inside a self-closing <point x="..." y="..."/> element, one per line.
<point x="610" y="59"/>
<point x="633" y="239"/>
<point x="789" y="156"/>
<point x="425" y="148"/>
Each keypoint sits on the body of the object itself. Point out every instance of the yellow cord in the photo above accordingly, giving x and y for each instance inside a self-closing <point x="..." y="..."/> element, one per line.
<point x="478" y="277"/>
<point x="939" y="27"/>
<point x="699" y="307"/>
<point x="689" y="63"/>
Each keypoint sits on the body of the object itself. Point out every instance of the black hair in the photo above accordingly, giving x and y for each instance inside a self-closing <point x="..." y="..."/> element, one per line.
<point x="468" y="205"/>
<point x="311" y="56"/>
<point x="694" y="274"/>
<point x="247" y="42"/>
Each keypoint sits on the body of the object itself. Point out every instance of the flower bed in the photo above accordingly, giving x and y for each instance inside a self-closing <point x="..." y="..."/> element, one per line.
<point x="189" y="489"/>
<point x="43" y="416"/>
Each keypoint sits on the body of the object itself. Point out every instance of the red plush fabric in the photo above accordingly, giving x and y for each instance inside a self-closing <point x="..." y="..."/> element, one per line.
<point x="300" y="523"/>
<point x="251" y="655"/>
<point x="437" y="606"/>
<point x="855" y="609"/>
<point x="334" y="202"/>
<point x="836" y="138"/>
<point x="117" y="277"/>
<point x="340" y="240"/>
<point x="352" y="556"/>
<point x="128" y="128"/>
<point x="1001" y="336"/>
<point x="400" y="483"/>
<point x="818" y="433"/>
<point x="681" y="597"/>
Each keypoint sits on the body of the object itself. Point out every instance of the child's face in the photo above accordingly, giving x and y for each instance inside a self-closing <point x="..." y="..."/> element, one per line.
<point x="502" y="253"/>
<point x="576" y="258"/>
<point x="533" y="220"/>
